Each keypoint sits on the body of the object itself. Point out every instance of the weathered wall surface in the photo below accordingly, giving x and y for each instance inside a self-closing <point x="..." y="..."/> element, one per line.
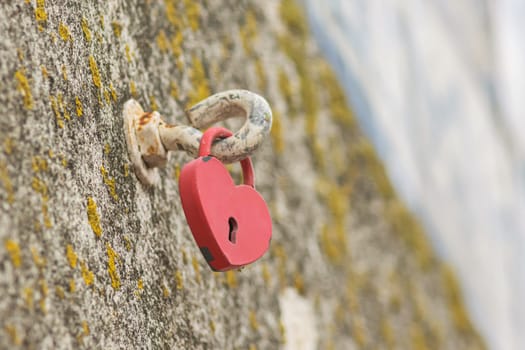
<point x="89" y="258"/>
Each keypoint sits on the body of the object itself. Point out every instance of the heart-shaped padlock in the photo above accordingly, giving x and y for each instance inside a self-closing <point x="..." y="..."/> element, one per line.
<point x="231" y="224"/>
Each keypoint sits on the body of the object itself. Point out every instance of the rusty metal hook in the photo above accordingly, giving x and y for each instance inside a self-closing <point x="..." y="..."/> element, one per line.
<point x="149" y="138"/>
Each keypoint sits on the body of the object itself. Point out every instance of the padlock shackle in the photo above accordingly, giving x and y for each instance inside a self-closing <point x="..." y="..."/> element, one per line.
<point x="205" y="149"/>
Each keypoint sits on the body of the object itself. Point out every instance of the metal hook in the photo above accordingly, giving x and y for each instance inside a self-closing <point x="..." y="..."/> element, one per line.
<point x="149" y="138"/>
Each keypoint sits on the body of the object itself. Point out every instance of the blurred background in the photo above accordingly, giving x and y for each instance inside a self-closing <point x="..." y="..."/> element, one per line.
<point x="438" y="86"/>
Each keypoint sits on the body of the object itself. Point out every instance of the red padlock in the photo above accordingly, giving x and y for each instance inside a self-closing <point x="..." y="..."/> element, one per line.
<point x="231" y="224"/>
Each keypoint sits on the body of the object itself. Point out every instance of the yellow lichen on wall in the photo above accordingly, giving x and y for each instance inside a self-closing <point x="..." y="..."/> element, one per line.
<point x="266" y="275"/>
<point x="299" y="283"/>
<point x="176" y="171"/>
<point x="260" y="72"/>
<point x="153" y="103"/>
<point x="276" y="133"/>
<point x="418" y="338"/>
<point x="107" y="96"/>
<point x="44" y="72"/>
<point x="128" y="53"/>
<point x="133" y="89"/>
<point x="41" y="188"/>
<point x="28" y="296"/>
<point x="286" y="91"/>
<point x="280" y="256"/>
<point x="193" y="15"/>
<point x="113" y="258"/>
<point x="87" y="275"/>
<point x="38" y="259"/>
<point x="310" y="104"/>
<point x="409" y="229"/>
<point x="39" y="164"/>
<point x="127" y="243"/>
<point x="79" y="108"/>
<point x="85" y="328"/>
<point x="334" y="238"/>
<point x="95" y="73"/>
<point x="329" y="246"/>
<point x="455" y="301"/>
<point x="179" y="282"/>
<point x="6" y="182"/>
<point x="71" y="256"/>
<point x="20" y="54"/>
<point x="339" y="109"/>
<point x="44" y="290"/>
<point x="59" y="291"/>
<point x="63" y="106"/>
<point x="172" y="13"/>
<point x="252" y="317"/>
<point x="196" y="267"/>
<point x="113" y="92"/>
<point x="362" y="154"/>
<point x="72" y="286"/>
<point x="64" y="72"/>
<point x="292" y="15"/>
<point x="117" y="28"/>
<point x="85" y="29"/>
<point x="248" y="32"/>
<point x="85" y="331"/>
<point x="231" y="279"/>
<point x="359" y="332"/>
<point x="199" y="82"/>
<point x="56" y="110"/>
<point x="9" y="145"/>
<point x="24" y="88"/>
<point x="13" y="249"/>
<point x="93" y="217"/>
<point x="40" y="14"/>
<point x="387" y="333"/>
<point x="162" y="41"/>
<point x="110" y="183"/>
<point x="64" y="32"/>
<point x="13" y="334"/>
<point x="176" y="43"/>
<point x="101" y="21"/>
<point x="165" y="291"/>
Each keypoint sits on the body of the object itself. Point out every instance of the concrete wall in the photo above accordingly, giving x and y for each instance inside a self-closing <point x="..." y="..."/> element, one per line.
<point x="89" y="258"/>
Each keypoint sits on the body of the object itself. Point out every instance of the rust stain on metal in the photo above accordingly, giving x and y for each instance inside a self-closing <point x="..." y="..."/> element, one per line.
<point x="144" y="119"/>
<point x="151" y="150"/>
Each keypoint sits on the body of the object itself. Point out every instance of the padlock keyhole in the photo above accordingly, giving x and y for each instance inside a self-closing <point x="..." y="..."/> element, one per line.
<point x="232" y="236"/>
